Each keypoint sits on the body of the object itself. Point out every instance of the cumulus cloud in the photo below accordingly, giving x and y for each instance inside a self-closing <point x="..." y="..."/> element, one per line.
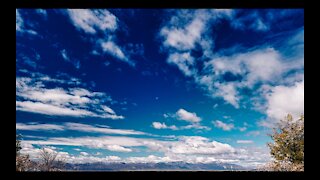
<point x="227" y="72"/>
<point x="33" y="96"/>
<point x="184" y="144"/>
<point x="200" y="145"/>
<point x="191" y="149"/>
<point x="283" y="100"/>
<point x="158" y="125"/>
<point x="222" y="125"/>
<point x="184" y="115"/>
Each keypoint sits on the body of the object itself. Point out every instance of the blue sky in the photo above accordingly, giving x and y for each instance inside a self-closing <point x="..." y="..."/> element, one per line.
<point x="151" y="85"/>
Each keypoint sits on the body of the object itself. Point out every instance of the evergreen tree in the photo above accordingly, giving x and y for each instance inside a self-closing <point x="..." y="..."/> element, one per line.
<point x="288" y="147"/>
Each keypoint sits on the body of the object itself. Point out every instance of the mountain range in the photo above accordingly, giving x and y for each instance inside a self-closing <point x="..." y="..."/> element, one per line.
<point x="161" y="166"/>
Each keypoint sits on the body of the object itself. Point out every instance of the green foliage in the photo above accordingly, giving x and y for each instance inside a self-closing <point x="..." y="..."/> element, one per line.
<point x="288" y="146"/>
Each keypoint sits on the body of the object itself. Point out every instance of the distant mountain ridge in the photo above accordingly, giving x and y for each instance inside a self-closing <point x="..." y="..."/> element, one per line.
<point x="161" y="166"/>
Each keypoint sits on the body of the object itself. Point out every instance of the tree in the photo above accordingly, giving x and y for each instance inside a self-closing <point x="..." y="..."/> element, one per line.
<point x="23" y="162"/>
<point x="288" y="147"/>
<point x="18" y="144"/>
<point x="50" y="161"/>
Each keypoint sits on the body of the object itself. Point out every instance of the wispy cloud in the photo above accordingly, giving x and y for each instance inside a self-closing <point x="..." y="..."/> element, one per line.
<point x="76" y="127"/>
<point x="244" y="141"/>
<point x="96" y="21"/>
<point x="227" y="72"/>
<point x="91" y="21"/>
<point x="20" y="25"/>
<point x="103" y="130"/>
<point x="34" y="96"/>
<point x="66" y="57"/>
<point x="113" y="49"/>
<point x="39" y="127"/>
<point x="222" y="125"/>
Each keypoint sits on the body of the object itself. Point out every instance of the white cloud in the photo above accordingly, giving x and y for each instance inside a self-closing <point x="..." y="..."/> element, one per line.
<point x="84" y="153"/>
<point x="285" y="99"/>
<point x="117" y="148"/>
<point x="108" y="110"/>
<point x="183" y="115"/>
<point x="267" y="64"/>
<point x="183" y="38"/>
<point x="92" y="20"/>
<point x="184" y="62"/>
<point x="33" y="96"/>
<point x="262" y="65"/>
<point x="199" y="145"/>
<point x="190" y="149"/>
<point x="19" y="21"/>
<point x="39" y="127"/>
<point x="187" y="116"/>
<point x="253" y="21"/>
<point x="84" y="157"/>
<point x="42" y="12"/>
<point x="38" y="107"/>
<point x="76" y="127"/>
<point x="195" y="126"/>
<point x="111" y="143"/>
<point x="184" y="145"/>
<point x="228" y="92"/>
<point x="158" y="125"/>
<point x="64" y="55"/>
<point x="244" y="141"/>
<point x="113" y="49"/>
<point x="222" y="125"/>
<point x="186" y="27"/>
<point x="104" y="130"/>
<point x="20" y="25"/>
<point x="242" y="129"/>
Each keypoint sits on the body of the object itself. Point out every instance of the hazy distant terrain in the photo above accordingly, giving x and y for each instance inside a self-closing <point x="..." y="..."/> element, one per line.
<point x="172" y="166"/>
